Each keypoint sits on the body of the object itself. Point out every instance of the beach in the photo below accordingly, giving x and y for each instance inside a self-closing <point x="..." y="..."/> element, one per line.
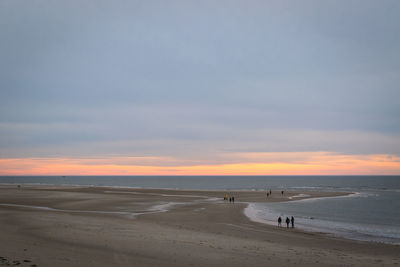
<point x="108" y="226"/>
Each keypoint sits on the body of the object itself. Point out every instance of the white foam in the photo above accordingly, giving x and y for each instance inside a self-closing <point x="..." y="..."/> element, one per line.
<point x="254" y="214"/>
<point x="298" y="196"/>
<point x="353" y="194"/>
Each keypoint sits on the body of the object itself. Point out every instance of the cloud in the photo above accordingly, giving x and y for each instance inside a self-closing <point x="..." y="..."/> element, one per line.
<point x="200" y="131"/>
<point x="190" y="80"/>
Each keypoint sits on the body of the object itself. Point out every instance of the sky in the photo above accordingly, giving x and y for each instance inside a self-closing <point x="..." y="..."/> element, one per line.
<point x="95" y="87"/>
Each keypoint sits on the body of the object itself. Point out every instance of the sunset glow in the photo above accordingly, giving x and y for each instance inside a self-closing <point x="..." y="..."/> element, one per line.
<point x="311" y="163"/>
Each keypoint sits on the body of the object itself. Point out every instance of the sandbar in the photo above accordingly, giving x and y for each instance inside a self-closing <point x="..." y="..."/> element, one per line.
<point x="105" y="226"/>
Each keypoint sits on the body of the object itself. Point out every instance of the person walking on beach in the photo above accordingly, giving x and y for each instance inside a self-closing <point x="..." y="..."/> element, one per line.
<point x="233" y="199"/>
<point x="282" y="192"/>
<point x="287" y="222"/>
<point x="292" y="221"/>
<point x="279" y="221"/>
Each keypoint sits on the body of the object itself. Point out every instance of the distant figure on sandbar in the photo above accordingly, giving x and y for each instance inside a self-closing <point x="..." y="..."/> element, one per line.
<point x="270" y="192"/>
<point x="267" y="195"/>
<point x="230" y="199"/>
<point x="282" y="192"/>
<point x="233" y="199"/>
<point x="292" y="221"/>
<point x="279" y="221"/>
<point x="287" y="222"/>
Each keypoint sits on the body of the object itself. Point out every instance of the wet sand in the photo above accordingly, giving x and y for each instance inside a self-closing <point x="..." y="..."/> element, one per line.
<point x="98" y="226"/>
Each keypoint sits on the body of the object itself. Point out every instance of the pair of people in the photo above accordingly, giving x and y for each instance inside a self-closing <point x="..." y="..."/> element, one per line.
<point x="288" y="221"/>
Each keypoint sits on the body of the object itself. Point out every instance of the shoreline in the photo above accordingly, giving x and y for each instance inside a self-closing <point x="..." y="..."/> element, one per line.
<point x="250" y="212"/>
<point x="44" y="185"/>
<point x="205" y="230"/>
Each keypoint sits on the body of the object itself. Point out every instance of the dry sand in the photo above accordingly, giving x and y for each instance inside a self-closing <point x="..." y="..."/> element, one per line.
<point x="89" y="226"/>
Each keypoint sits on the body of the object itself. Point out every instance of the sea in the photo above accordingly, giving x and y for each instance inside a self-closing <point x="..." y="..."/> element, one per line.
<point x="370" y="212"/>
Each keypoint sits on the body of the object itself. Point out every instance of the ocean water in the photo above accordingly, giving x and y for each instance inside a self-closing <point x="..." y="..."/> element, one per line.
<point x="370" y="213"/>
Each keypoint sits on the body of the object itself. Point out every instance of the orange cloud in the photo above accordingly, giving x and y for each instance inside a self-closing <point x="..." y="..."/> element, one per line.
<point x="281" y="163"/>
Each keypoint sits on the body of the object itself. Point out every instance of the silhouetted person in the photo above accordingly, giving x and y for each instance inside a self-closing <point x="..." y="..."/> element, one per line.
<point x="270" y="192"/>
<point x="287" y="222"/>
<point x="233" y="199"/>
<point x="267" y="194"/>
<point x="292" y="221"/>
<point x="282" y="192"/>
<point x="279" y="221"/>
<point x="230" y="199"/>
